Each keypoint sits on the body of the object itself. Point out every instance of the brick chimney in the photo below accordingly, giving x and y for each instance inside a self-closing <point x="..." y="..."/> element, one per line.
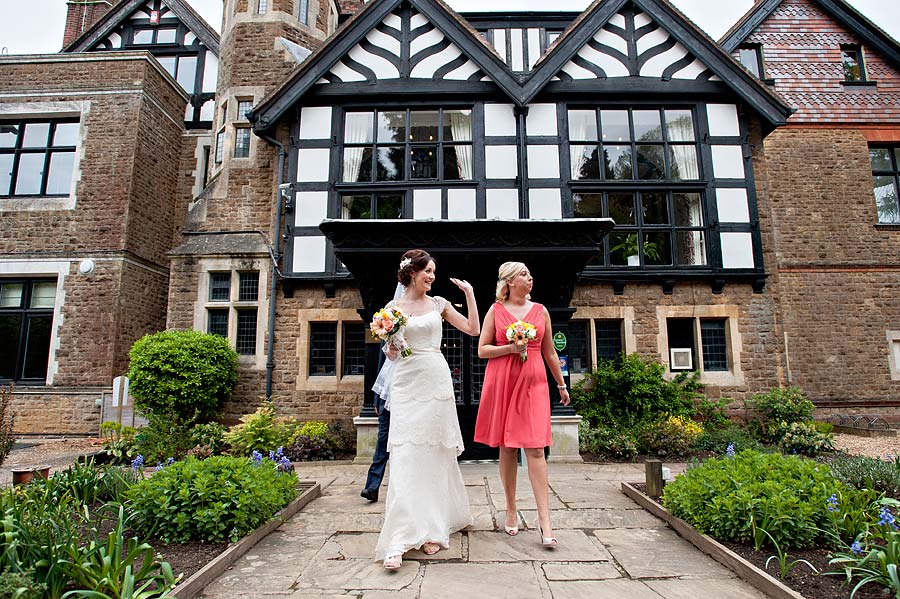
<point x="82" y="14"/>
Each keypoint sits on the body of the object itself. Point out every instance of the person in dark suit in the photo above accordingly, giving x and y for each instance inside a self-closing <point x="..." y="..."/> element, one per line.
<point x="380" y="458"/>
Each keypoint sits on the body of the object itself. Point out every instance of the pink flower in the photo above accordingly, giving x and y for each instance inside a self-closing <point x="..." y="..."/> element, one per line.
<point x="388" y="326"/>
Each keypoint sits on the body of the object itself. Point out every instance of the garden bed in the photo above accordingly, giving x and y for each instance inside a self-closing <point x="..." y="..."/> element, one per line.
<point x="750" y="565"/>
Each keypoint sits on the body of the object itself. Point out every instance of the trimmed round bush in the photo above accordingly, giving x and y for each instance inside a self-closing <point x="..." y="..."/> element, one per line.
<point x="787" y="496"/>
<point x="185" y="375"/>
<point x="217" y="499"/>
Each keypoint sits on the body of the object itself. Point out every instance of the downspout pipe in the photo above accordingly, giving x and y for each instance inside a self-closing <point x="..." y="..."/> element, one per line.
<point x="280" y="192"/>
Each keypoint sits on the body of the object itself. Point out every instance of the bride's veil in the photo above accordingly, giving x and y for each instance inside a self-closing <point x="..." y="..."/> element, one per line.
<point x="382" y="386"/>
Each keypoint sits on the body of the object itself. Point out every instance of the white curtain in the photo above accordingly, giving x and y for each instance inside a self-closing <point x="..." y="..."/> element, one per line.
<point x="680" y="127"/>
<point x="356" y="130"/>
<point x="579" y="127"/>
<point x="461" y="128"/>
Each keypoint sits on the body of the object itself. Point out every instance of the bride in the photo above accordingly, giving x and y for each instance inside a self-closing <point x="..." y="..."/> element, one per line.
<point x="426" y="498"/>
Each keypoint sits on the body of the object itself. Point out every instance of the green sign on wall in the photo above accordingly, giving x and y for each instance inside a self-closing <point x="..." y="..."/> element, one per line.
<point x="559" y="341"/>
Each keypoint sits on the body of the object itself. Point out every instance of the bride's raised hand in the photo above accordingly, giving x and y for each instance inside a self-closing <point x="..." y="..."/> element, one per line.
<point x="464" y="285"/>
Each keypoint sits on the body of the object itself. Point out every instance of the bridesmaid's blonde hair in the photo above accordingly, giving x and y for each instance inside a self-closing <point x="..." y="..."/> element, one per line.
<point x="507" y="272"/>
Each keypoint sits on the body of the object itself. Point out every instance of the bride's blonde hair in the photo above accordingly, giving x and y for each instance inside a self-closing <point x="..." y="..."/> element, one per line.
<point x="506" y="273"/>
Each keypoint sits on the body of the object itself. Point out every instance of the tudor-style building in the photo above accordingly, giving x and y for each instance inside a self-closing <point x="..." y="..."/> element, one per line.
<point x="741" y="208"/>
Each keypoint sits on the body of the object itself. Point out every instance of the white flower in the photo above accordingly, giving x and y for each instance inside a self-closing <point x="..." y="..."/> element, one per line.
<point x="405" y="262"/>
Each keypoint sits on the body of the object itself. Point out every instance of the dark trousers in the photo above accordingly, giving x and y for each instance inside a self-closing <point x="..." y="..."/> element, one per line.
<point x="379" y="460"/>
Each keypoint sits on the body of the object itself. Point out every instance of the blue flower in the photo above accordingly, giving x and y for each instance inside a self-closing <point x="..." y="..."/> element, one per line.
<point x="170" y="461"/>
<point x="886" y="518"/>
<point x="257" y="458"/>
<point x="138" y="462"/>
<point x="159" y="466"/>
<point x="284" y="464"/>
<point x="272" y="455"/>
<point x="729" y="451"/>
<point x="856" y="548"/>
<point x="832" y="502"/>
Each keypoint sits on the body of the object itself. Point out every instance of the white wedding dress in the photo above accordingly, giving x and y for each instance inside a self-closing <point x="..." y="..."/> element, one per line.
<point x="426" y="498"/>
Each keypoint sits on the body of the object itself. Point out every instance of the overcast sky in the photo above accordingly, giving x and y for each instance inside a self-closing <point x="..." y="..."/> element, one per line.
<point x="34" y="26"/>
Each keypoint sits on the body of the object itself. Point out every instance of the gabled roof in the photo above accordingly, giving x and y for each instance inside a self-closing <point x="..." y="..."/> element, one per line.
<point x="698" y="43"/>
<point x="867" y="31"/>
<point x="351" y="33"/>
<point x="123" y="11"/>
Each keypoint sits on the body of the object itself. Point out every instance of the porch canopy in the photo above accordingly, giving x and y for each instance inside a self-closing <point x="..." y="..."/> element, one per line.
<point x="555" y="251"/>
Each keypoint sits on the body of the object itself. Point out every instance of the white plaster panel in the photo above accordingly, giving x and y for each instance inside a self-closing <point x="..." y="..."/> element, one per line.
<point x="500" y="42"/>
<point x="345" y="73"/>
<point x="427" y="67"/>
<point x="394" y="21"/>
<point x="383" y="40"/>
<point x="461" y="204"/>
<point x="659" y="63"/>
<point x="618" y="20"/>
<point x="311" y="208"/>
<point x="692" y="71"/>
<point x="737" y="250"/>
<point x="417" y="20"/>
<point x="543" y="162"/>
<point x="462" y="72"/>
<point x="499" y="120"/>
<point x="503" y="203"/>
<point x="732" y="205"/>
<point x="309" y="254"/>
<point x="501" y="162"/>
<point x="383" y="68"/>
<point x="541" y="120"/>
<point x="608" y="38"/>
<point x="534" y="47"/>
<point x="517" y="51"/>
<point x="432" y="38"/>
<point x="611" y="65"/>
<point x="641" y="19"/>
<point x="654" y="38"/>
<point x="315" y="122"/>
<point x="427" y="204"/>
<point x="312" y="164"/>
<point x="544" y="203"/>
<point x="723" y="120"/>
<point x="576" y="72"/>
<point x="728" y="162"/>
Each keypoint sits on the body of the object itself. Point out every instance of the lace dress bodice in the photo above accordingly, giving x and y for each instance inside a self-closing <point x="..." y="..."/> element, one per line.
<point x="423" y="332"/>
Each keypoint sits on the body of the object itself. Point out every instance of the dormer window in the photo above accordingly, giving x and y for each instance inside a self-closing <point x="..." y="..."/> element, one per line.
<point x="751" y="58"/>
<point x="852" y="61"/>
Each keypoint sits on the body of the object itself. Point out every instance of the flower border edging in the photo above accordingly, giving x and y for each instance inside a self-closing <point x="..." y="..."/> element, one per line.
<point x="195" y="583"/>
<point x="762" y="581"/>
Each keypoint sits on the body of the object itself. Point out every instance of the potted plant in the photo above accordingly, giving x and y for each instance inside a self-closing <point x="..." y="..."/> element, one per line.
<point x="628" y="247"/>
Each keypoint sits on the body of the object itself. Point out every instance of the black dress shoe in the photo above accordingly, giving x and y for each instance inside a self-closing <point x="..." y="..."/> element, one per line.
<point x="370" y="495"/>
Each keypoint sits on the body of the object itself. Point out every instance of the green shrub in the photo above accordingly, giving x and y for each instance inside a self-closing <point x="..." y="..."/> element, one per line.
<point x="210" y="436"/>
<point x="824" y="427"/>
<point x="182" y="375"/>
<point x="713" y="412"/>
<point x="118" y="441"/>
<point x="633" y="390"/>
<point x="260" y="431"/>
<point x="718" y="439"/>
<point x="7" y="438"/>
<point x="801" y="437"/>
<point x="610" y="442"/>
<point x="868" y="473"/>
<point x="20" y="585"/>
<point x="217" y="499"/>
<point x="781" y="405"/>
<point x="162" y="438"/>
<point x="310" y="442"/>
<point x="668" y="436"/>
<point x="88" y="484"/>
<point x="784" y="495"/>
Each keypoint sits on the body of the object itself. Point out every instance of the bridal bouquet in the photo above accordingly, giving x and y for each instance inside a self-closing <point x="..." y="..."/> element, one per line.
<point x="521" y="331"/>
<point x="386" y="325"/>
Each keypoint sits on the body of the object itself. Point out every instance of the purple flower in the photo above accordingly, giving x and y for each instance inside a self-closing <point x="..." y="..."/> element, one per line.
<point x="257" y="458"/>
<point x="170" y="461"/>
<point x="886" y="518"/>
<point x="729" y="451"/>
<point x="284" y="464"/>
<point x="856" y="548"/>
<point x="137" y="463"/>
<point x="832" y="502"/>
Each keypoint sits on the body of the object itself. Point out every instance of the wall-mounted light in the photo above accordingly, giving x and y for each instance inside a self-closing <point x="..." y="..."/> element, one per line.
<point x="86" y="266"/>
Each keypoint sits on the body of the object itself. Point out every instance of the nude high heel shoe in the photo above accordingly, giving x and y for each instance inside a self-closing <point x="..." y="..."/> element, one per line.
<point x="547" y="541"/>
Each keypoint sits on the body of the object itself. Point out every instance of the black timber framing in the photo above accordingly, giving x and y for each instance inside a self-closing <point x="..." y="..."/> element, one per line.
<point x="108" y="23"/>
<point x="732" y="73"/>
<point x="868" y="32"/>
<point x="267" y="114"/>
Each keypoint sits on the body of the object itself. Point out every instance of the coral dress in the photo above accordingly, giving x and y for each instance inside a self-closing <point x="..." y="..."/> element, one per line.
<point x="426" y="498"/>
<point x="515" y="399"/>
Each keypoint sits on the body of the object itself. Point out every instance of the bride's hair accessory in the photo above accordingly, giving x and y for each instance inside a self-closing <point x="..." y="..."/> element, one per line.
<point x="405" y="262"/>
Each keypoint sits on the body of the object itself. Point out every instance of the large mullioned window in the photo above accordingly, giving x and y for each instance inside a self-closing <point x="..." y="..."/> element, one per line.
<point x="407" y="145"/>
<point x="635" y="165"/>
<point x="885" y="171"/>
<point x="37" y="157"/>
<point x="26" y="318"/>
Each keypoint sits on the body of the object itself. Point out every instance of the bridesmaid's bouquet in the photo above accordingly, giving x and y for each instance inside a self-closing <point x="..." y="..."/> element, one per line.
<point x="521" y="331"/>
<point x="386" y="325"/>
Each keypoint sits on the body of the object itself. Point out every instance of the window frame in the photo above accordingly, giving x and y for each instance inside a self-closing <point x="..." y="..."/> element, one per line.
<point x="27" y="314"/>
<point x="699" y="346"/>
<point x="857" y="50"/>
<point x="18" y="150"/>
<point x="894" y="173"/>
<point x="234" y="306"/>
<point x="242" y="134"/>
<point x="759" y="65"/>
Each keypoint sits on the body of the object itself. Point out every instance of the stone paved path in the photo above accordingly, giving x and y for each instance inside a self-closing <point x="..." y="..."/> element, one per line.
<point x="609" y="547"/>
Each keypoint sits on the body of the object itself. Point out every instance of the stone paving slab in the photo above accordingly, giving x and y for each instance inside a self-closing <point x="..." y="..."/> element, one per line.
<point x="658" y="553"/>
<point x="604" y="589"/>
<point x="692" y="589"/>
<point x="574" y="546"/>
<point x="609" y="547"/>
<point x="474" y="581"/>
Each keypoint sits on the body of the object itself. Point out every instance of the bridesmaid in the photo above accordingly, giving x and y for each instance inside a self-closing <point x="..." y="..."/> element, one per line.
<point x="515" y="399"/>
